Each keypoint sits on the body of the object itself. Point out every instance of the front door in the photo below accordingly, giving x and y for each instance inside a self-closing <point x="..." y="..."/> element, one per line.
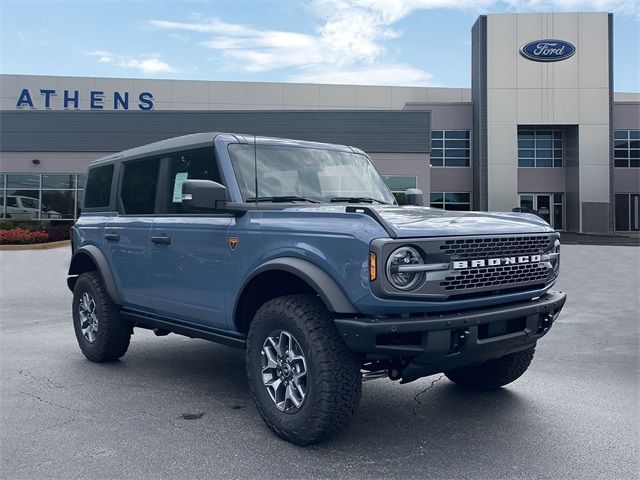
<point x="550" y="207"/>
<point x="543" y="207"/>
<point x="189" y="251"/>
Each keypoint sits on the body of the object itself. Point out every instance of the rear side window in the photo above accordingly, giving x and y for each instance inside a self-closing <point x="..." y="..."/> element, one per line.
<point x="98" y="191"/>
<point x="189" y="165"/>
<point x="139" y="182"/>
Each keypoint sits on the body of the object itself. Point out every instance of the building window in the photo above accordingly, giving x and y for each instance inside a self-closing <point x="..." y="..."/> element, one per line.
<point x="451" y="200"/>
<point x="539" y="147"/>
<point x="450" y="148"/>
<point x="40" y="197"/>
<point x="398" y="184"/>
<point x="627" y="207"/>
<point x="626" y="148"/>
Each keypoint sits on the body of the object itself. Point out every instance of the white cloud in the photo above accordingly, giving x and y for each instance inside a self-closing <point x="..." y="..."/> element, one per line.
<point x="150" y="64"/>
<point x="37" y="38"/>
<point x="621" y="7"/>
<point x="349" y="44"/>
<point x="376" y="74"/>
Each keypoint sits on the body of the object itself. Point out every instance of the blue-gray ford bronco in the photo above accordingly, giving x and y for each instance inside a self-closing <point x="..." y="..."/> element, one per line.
<point x="298" y="253"/>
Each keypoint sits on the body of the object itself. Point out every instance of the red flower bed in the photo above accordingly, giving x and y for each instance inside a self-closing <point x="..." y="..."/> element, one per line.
<point x="20" y="236"/>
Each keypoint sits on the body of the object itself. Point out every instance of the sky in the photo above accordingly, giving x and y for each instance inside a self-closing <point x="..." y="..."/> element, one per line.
<point x="376" y="42"/>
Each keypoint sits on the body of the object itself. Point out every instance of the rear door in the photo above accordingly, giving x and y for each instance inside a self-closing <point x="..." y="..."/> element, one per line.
<point x="127" y="234"/>
<point x="189" y="251"/>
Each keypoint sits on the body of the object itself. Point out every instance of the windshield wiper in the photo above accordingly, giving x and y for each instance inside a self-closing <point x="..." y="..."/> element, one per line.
<point x="357" y="200"/>
<point x="282" y="198"/>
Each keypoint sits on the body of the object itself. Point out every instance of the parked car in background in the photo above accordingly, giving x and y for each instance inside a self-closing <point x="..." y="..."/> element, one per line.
<point x="22" y="207"/>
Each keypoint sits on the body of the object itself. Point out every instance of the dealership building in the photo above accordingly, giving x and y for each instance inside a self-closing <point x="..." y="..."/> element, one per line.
<point x="540" y="128"/>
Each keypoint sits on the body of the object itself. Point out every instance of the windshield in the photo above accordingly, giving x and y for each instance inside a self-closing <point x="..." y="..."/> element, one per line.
<point x="308" y="173"/>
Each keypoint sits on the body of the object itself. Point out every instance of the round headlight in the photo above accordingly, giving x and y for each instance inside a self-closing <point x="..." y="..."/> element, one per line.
<point x="404" y="279"/>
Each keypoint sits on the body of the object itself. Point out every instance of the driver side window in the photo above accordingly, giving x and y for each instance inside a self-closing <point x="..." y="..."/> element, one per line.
<point x="189" y="165"/>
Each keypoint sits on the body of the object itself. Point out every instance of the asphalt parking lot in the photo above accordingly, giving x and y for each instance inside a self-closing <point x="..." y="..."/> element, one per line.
<point x="180" y="408"/>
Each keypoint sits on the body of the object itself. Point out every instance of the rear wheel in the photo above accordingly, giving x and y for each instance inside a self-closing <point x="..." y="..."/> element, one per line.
<point x="494" y="373"/>
<point x="305" y="382"/>
<point x="102" y="335"/>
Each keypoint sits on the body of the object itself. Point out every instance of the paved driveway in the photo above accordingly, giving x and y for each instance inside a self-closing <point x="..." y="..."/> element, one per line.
<point x="176" y="407"/>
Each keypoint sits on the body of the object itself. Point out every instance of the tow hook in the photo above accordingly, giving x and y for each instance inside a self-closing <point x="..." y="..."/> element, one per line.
<point x="458" y="340"/>
<point x="545" y="323"/>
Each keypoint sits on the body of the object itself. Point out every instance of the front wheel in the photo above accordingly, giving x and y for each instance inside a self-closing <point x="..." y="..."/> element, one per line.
<point x="305" y="382"/>
<point x="493" y="374"/>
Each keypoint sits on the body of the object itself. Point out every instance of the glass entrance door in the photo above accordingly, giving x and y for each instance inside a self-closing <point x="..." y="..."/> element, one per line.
<point x="627" y="210"/>
<point x="543" y="206"/>
<point x="549" y="206"/>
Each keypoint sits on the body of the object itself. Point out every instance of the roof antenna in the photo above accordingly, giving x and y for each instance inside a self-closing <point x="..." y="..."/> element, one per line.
<point x="255" y="165"/>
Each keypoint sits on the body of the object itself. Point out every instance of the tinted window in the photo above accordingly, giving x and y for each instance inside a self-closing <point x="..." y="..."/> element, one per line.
<point x="139" y="182"/>
<point x="99" y="187"/>
<point x="23" y="181"/>
<point x="192" y="165"/>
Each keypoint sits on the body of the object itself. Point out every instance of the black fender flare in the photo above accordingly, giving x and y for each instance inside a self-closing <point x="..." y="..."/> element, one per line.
<point x="100" y="261"/>
<point x="325" y="286"/>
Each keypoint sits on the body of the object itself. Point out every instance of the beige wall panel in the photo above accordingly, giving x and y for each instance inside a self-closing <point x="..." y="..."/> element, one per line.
<point x="565" y="72"/>
<point x="503" y="181"/>
<point x="402" y="95"/>
<point x="593" y="50"/>
<point x="301" y="94"/>
<point x="373" y="97"/>
<point x="502" y="106"/>
<point x="227" y="93"/>
<point x="565" y="106"/>
<point x="337" y="96"/>
<point x="194" y="92"/>
<point x="265" y="94"/>
<point x="501" y="51"/>
<point x="529" y="106"/>
<point x="502" y="145"/>
<point x="594" y="105"/>
<point x="592" y="186"/>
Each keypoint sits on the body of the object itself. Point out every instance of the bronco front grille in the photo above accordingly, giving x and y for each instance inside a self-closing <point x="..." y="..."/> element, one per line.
<point x="485" y="247"/>
<point x="493" y="264"/>
<point x="497" y="277"/>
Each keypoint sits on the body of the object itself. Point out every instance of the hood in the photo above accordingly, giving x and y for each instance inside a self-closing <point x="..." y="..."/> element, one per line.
<point x="430" y="222"/>
<point x="408" y="221"/>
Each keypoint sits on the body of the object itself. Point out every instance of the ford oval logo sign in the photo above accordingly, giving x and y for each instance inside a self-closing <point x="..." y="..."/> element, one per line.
<point x="547" y="50"/>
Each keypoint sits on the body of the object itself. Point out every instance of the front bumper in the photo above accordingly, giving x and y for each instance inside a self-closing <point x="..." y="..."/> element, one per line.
<point x="436" y="343"/>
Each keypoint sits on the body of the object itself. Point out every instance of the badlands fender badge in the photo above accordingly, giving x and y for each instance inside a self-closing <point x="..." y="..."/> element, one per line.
<point x="233" y="242"/>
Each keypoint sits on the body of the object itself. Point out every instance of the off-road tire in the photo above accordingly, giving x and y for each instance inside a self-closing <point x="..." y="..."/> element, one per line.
<point x="114" y="333"/>
<point x="334" y="383"/>
<point x="493" y="374"/>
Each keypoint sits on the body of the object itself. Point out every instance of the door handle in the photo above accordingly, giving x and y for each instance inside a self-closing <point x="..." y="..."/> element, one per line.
<point x="163" y="240"/>
<point x="112" y="237"/>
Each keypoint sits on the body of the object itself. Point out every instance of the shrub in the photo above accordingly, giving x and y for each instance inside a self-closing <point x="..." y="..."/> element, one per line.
<point x="56" y="231"/>
<point x="21" y="236"/>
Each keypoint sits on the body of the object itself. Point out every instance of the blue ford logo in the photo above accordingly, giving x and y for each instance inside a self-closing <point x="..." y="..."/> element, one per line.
<point x="547" y="50"/>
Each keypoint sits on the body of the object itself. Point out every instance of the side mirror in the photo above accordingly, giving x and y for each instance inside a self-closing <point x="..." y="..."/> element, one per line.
<point x="414" y="196"/>
<point x="203" y="195"/>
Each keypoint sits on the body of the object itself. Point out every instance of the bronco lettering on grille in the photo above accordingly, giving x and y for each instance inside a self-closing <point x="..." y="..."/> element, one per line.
<point x="494" y="262"/>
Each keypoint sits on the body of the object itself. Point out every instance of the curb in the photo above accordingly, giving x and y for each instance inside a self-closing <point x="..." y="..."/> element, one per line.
<point x="36" y="246"/>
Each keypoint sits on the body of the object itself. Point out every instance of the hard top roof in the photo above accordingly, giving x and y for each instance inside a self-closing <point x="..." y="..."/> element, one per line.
<point x="203" y="139"/>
